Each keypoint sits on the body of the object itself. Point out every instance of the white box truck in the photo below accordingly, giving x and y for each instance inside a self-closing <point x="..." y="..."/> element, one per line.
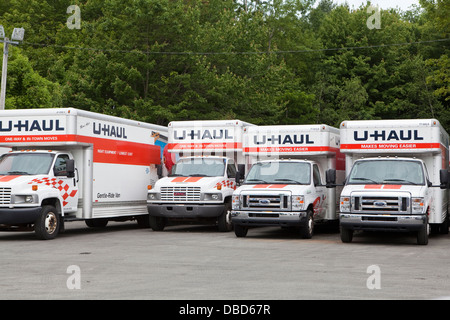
<point x="200" y="184"/>
<point x="393" y="170"/>
<point x="69" y="164"/>
<point x="286" y="185"/>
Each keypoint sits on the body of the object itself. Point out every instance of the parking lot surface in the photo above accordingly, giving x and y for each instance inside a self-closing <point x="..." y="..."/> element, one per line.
<point x="193" y="262"/>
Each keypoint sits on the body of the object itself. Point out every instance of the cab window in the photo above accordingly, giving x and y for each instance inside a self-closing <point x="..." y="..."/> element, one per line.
<point x="60" y="168"/>
<point x="231" y="169"/>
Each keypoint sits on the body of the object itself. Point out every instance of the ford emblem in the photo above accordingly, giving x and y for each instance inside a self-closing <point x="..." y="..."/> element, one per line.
<point x="380" y="203"/>
<point x="264" y="201"/>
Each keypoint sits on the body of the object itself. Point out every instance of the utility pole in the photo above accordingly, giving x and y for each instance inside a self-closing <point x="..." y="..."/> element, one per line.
<point x="17" y="36"/>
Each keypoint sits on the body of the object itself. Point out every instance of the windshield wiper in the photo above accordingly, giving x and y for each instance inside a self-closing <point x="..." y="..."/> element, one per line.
<point x="289" y="180"/>
<point x="366" y="179"/>
<point x="401" y="180"/>
<point x="198" y="175"/>
<point x="19" y="172"/>
<point x="254" y="180"/>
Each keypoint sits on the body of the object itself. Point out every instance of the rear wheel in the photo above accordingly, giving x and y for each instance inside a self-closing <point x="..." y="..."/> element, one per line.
<point x="96" y="223"/>
<point x="48" y="223"/>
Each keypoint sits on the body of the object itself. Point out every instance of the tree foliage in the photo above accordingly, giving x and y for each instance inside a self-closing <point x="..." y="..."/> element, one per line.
<point x="265" y="62"/>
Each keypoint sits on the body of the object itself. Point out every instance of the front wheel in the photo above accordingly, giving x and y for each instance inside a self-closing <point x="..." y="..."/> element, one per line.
<point x="224" y="220"/>
<point x="240" y="231"/>
<point x="157" y="223"/>
<point x="346" y="235"/>
<point x="307" y="231"/>
<point x="48" y="224"/>
<point x="422" y="234"/>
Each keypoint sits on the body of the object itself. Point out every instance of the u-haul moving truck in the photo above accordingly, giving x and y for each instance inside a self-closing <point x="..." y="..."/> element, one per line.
<point x="69" y="164"/>
<point x="286" y="184"/>
<point x="393" y="170"/>
<point x="201" y="183"/>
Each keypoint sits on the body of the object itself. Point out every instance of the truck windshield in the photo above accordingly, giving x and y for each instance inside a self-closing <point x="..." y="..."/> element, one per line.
<point x="387" y="172"/>
<point x="279" y="173"/>
<point x="25" y="163"/>
<point x="199" y="167"/>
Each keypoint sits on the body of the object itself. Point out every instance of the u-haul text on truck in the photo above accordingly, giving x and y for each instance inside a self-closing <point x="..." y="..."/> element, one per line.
<point x="286" y="185"/>
<point x="200" y="184"/>
<point x="394" y="170"/>
<point x="69" y="164"/>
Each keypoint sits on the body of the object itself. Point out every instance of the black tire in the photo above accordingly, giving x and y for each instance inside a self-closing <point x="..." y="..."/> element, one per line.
<point x="224" y="220"/>
<point x="96" y="223"/>
<point x="307" y="231"/>
<point x="444" y="226"/>
<point x="422" y="234"/>
<point x="48" y="223"/>
<point x="143" y="221"/>
<point x="157" y="223"/>
<point x="240" y="231"/>
<point x="346" y="235"/>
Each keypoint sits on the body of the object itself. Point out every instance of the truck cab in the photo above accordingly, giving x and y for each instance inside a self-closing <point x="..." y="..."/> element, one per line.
<point x="198" y="188"/>
<point x="285" y="193"/>
<point x="36" y="189"/>
<point x="386" y="193"/>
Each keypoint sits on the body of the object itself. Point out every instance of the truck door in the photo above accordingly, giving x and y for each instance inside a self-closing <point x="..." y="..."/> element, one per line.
<point x="68" y="187"/>
<point x="319" y="203"/>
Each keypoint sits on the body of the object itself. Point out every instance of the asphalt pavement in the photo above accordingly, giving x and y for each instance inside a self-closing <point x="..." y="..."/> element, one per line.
<point x="196" y="262"/>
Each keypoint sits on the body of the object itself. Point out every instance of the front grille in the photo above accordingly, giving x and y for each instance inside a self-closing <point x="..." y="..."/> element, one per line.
<point x="380" y="204"/>
<point x="5" y="195"/>
<point x="180" y="194"/>
<point x="266" y="202"/>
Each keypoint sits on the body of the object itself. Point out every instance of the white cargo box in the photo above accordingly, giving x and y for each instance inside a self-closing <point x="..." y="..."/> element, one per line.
<point x="199" y="137"/>
<point x="393" y="136"/>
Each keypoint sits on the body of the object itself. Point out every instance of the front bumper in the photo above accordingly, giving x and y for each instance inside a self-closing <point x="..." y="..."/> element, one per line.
<point x="264" y="219"/>
<point x="18" y="216"/>
<point x="188" y="211"/>
<point x="382" y="222"/>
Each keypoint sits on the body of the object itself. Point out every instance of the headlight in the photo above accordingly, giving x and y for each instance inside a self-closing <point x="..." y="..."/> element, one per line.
<point x="345" y="204"/>
<point x="24" y="199"/>
<point x="235" y="203"/>
<point x="153" y="196"/>
<point x="298" y="203"/>
<point x="212" y="197"/>
<point x="417" y="205"/>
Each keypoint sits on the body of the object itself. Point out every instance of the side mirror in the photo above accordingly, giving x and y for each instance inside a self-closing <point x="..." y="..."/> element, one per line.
<point x="70" y="168"/>
<point x="443" y="176"/>
<point x="330" y="177"/>
<point x="159" y="171"/>
<point x="240" y="174"/>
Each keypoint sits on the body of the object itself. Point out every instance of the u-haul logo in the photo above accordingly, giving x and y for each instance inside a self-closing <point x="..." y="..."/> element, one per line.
<point x="109" y="130"/>
<point x="205" y="134"/>
<point x="386" y="135"/>
<point x="283" y="139"/>
<point x="31" y="125"/>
